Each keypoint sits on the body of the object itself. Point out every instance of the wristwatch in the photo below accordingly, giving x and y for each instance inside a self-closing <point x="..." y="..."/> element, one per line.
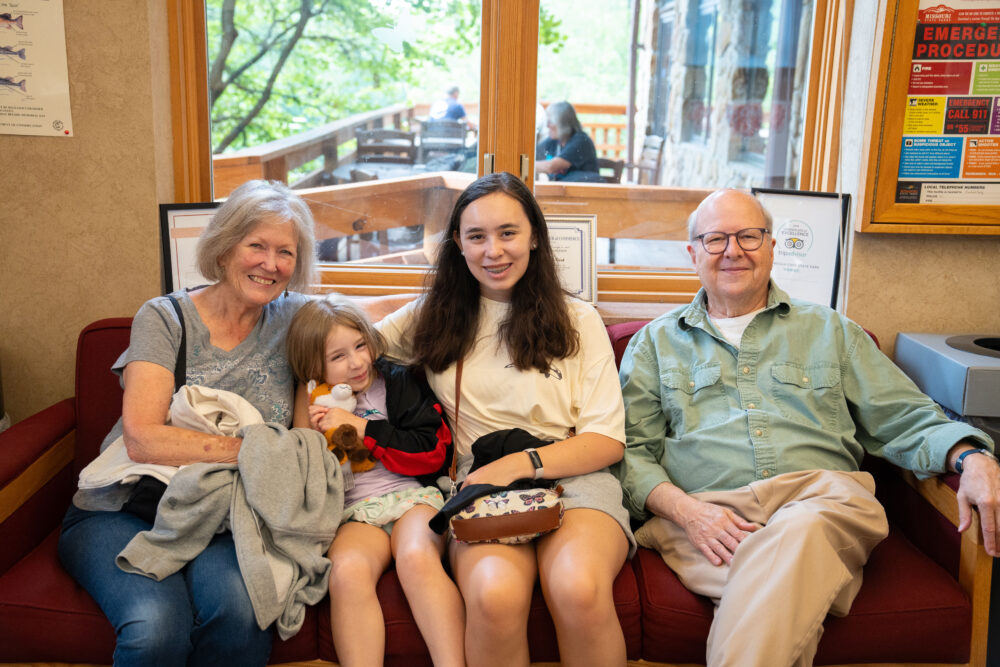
<point x="961" y="457"/>
<point x="536" y="461"/>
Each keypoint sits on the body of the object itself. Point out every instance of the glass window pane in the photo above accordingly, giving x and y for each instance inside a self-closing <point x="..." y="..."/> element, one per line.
<point x="719" y="91"/>
<point x="343" y="100"/>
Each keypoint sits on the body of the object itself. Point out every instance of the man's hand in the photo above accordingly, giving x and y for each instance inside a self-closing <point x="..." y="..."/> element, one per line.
<point x="980" y="487"/>
<point x="714" y="529"/>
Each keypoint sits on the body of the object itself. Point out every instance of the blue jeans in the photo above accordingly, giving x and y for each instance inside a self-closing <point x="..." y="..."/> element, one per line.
<point x="200" y="615"/>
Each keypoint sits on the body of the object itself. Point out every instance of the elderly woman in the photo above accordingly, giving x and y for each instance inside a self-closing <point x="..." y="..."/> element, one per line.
<point x="568" y="154"/>
<point x="258" y="246"/>
<point x="535" y="359"/>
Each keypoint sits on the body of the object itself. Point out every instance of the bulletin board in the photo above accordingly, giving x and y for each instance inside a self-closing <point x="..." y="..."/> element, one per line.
<point x="934" y="157"/>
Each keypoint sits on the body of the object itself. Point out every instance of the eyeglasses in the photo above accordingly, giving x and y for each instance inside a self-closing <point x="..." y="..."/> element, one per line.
<point x="715" y="243"/>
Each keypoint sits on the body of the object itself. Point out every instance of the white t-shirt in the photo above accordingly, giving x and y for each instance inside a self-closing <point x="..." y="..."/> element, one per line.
<point x="580" y="392"/>
<point x="732" y="328"/>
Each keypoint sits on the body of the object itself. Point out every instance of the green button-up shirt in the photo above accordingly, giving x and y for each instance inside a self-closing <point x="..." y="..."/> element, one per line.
<point x="807" y="389"/>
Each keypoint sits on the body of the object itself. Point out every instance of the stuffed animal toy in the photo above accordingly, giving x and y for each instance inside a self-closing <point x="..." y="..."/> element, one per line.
<point x="343" y="440"/>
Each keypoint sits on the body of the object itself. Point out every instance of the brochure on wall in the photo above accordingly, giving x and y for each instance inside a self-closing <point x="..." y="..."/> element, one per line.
<point x="34" y="79"/>
<point x="180" y="227"/>
<point x="951" y="130"/>
<point x="573" y="239"/>
<point x="808" y="231"/>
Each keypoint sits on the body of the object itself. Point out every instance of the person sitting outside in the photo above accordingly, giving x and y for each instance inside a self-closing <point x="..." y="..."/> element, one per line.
<point x="450" y="109"/>
<point x="747" y="416"/>
<point x="568" y="154"/>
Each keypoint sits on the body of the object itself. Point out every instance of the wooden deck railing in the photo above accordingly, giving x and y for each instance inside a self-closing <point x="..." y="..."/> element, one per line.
<point x="605" y="123"/>
<point x="275" y="159"/>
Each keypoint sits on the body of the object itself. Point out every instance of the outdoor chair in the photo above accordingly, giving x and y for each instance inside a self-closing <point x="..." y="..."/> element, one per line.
<point x="649" y="161"/>
<point x="397" y="146"/>
<point x="439" y="137"/>
<point x="616" y="167"/>
<point x="360" y="175"/>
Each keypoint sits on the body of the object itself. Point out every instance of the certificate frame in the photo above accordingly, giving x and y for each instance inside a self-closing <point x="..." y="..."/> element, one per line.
<point x="810" y="229"/>
<point x="180" y="227"/>
<point x="888" y="201"/>
<point x="574" y="240"/>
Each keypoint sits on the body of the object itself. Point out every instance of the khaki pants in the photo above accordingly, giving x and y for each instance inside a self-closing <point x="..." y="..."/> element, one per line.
<point x="818" y="529"/>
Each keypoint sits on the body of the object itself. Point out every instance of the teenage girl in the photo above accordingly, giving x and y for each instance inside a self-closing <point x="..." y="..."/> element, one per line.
<point x="387" y="508"/>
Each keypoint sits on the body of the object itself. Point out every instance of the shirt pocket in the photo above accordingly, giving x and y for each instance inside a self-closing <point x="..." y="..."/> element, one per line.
<point x="693" y="398"/>
<point x="808" y="393"/>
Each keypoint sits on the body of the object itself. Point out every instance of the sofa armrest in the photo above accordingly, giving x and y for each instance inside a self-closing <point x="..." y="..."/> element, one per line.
<point x="936" y="518"/>
<point x="36" y="480"/>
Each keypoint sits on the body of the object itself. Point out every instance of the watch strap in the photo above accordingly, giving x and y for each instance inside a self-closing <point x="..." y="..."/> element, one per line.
<point x="536" y="461"/>
<point x="960" y="461"/>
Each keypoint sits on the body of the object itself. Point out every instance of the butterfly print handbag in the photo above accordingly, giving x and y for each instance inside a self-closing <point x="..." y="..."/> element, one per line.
<point x="505" y="516"/>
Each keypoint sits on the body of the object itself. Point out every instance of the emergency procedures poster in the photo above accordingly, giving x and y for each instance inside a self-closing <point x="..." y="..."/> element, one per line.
<point x="950" y="151"/>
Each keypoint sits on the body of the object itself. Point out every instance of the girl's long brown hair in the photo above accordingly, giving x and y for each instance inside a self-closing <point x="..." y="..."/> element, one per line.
<point x="538" y="329"/>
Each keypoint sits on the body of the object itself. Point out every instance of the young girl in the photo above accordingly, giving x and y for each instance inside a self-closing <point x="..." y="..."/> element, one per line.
<point x="386" y="510"/>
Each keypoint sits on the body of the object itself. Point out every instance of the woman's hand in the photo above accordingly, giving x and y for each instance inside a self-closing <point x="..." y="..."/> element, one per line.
<point x="503" y="471"/>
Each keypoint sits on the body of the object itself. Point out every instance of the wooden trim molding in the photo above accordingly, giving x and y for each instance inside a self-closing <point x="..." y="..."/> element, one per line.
<point x="509" y="74"/>
<point x="189" y="101"/>
<point x="36" y="475"/>
<point x="828" y="69"/>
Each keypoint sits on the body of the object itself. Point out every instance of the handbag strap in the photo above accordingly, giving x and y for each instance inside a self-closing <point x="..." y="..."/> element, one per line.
<point x="458" y="400"/>
<point x="180" y="368"/>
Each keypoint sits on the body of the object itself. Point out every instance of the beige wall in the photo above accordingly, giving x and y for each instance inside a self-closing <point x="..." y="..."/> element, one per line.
<point x="79" y="230"/>
<point x="923" y="283"/>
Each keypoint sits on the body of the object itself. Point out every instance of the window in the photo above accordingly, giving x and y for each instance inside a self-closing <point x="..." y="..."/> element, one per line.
<point x="506" y="130"/>
<point x="742" y="103"/>
<point x="662" y="69"/>
<point x="699" y="71"/>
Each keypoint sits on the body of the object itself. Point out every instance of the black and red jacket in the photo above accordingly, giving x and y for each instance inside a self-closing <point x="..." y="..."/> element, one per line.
<point x="414" y="440"/>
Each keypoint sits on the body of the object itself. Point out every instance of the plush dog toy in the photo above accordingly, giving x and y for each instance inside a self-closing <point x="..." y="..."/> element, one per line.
<point x="343" y="440"/>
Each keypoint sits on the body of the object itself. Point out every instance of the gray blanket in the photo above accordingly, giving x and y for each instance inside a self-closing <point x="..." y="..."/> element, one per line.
<point x="283" y="502"/>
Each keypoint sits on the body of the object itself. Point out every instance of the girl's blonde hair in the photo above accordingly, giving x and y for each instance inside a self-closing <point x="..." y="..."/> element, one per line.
<point x="306" y="343"/>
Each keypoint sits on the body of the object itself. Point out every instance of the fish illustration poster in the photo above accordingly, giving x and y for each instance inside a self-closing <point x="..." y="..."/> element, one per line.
<point x="34" y="79"/>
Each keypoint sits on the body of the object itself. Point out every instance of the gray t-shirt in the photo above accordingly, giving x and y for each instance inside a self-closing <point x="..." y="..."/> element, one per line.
<point x="256" y="369"/>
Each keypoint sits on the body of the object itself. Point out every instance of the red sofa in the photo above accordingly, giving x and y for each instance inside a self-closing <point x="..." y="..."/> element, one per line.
<point x="916" y="604"/>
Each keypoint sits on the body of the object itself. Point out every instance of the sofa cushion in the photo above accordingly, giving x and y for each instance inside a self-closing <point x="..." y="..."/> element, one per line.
<point x="45" y="616"/>
<point x="909" y="610"/>
<point x="98" y="390"/>
<point x="405" y="646"/>
<point x="675" y="621"/>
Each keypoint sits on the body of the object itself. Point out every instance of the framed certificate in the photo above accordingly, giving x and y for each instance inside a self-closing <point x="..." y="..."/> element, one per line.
<point x="808" y="230"/>
<point x="180" y="227"/>
<point x="573" y="239"/>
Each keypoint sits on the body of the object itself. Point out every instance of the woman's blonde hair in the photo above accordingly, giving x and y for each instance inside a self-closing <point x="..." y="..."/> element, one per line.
<point x="249" y="205"/>
<point x="306" y="341"/>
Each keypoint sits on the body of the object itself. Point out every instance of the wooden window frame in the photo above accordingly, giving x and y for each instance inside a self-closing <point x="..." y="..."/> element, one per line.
<point x="509" y="76"/>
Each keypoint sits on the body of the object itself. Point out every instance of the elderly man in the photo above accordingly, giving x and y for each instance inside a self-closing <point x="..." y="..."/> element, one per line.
<point x="747" y="415"/>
